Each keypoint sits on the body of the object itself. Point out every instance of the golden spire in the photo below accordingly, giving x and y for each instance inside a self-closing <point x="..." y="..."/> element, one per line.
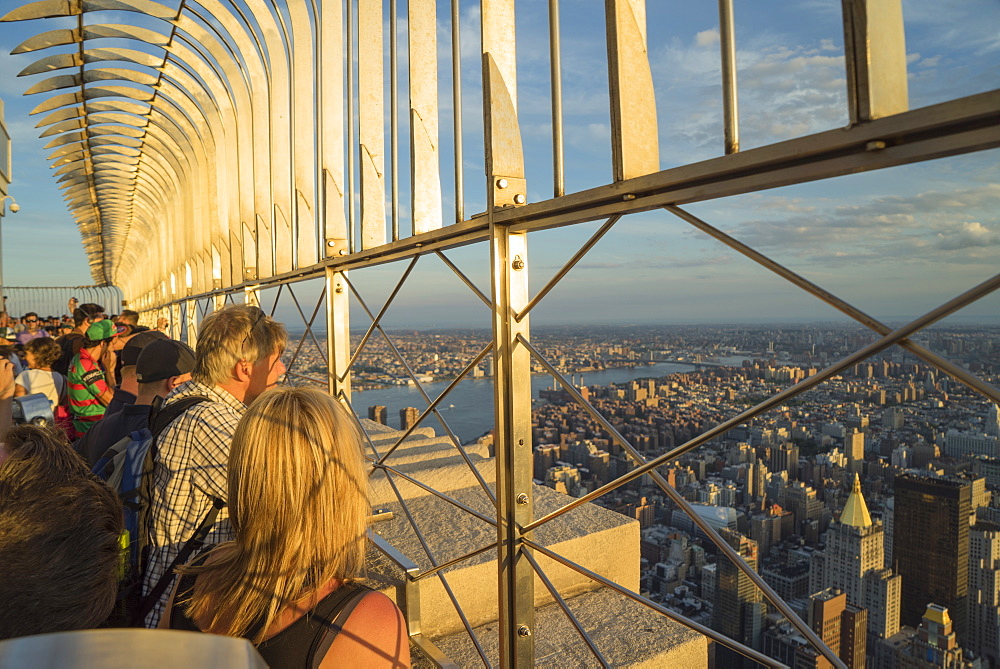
<point x="855" y="511"/>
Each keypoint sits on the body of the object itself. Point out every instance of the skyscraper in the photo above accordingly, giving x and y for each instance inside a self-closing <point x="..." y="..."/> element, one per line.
<point x="825" y="608"/>
<point x="930" y="545"/>
<point x="739" y="606"/>
<point x="854" y="449"/>
<point x="841" y="626"/>
<point x="852" y="562"/>
<point x="984" y="592"/>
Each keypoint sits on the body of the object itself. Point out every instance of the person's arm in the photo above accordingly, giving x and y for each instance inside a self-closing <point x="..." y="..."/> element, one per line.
<point x="19" y="390"/>
<point x="374" y="636"/>
<point x="109" y="362"/>
<point x="63" y="387"/>
<point x="6" y="395"/>
<point x="95" y="384"/>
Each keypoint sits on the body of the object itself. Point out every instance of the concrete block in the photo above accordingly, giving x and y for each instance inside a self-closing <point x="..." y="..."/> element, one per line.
<point x="589" y="535"/>
<point x="627" y="634"/>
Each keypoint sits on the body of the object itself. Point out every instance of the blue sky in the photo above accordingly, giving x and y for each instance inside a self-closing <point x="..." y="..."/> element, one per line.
<point x="895" y="242"/>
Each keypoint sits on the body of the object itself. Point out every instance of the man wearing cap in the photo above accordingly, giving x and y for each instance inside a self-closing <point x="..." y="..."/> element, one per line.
<point x="124" y="395"/>
<point x="83" y="317"/>
<point x="89" y="393"/>
<point x="162" y="364"/>
<point x="129" y="347"/>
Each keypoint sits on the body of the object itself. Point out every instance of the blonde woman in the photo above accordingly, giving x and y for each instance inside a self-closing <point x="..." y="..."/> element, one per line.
<point x="299" y="509"/>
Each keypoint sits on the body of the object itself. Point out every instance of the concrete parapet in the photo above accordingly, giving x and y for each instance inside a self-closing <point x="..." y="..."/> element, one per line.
<point x="603" y="541"/>
<point x="626" y="633"/>
<point x="591" y="536"/>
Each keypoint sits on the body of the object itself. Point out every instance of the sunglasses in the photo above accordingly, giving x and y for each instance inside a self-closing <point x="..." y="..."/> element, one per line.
<point x="30" y="320"/>
<point x="260" y="316"/>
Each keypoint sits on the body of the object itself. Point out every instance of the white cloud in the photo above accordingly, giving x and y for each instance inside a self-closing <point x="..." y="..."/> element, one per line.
<point x="927" y="226"/>
<point x="968" y="234"/>
<point x="707" y="37"/>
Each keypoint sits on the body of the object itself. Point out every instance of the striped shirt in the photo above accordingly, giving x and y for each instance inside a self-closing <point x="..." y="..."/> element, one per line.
<point x="190" y="470"/>
<point x="86" y="384"/>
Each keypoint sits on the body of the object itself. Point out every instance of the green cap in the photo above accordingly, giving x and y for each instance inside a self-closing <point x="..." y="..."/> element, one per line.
<point x="102" y="330"/>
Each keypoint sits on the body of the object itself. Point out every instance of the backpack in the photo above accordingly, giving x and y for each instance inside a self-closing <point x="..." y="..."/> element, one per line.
<point x="127" y="467"/>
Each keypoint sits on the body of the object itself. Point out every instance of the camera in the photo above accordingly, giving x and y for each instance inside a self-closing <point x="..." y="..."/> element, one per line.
<point x="35" y="409"/>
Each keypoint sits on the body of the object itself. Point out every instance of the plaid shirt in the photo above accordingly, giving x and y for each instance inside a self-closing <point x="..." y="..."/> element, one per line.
<point x="189" y="471"/>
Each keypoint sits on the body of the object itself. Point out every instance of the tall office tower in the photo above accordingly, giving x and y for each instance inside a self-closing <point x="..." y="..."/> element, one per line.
<point x="984" y="592"/>
<point x="408" y="417"/>
<point x="841" y="626"/>
<point x="993" y="420"/>
<point x="883" y="591"/>
<point x="854" y="448"/>
<point x="887" y="525"/>
<point x="930" y="545"/>
<point x="378" y="413"/>
<point x="853" y="636"/>
<point x="785" y="458"/>
<point x="801" y="500"/>
<point x="853" y="562"/>
<point x="739" y="607"/>
<point x="825" y="608"/>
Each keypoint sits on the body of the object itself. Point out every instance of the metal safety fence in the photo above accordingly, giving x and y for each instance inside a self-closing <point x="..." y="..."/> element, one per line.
<point x="248" y="161"/>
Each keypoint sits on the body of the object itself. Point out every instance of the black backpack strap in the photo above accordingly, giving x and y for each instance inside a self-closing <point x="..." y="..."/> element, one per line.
<point x="331" y="615"/>
<point x="192" y="544"/>
<point x="162" y="415"/>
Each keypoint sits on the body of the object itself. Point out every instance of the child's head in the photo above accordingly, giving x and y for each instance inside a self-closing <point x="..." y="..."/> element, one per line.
<point x="42" y="353"/>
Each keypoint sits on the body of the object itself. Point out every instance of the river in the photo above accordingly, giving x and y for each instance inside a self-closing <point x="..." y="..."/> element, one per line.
<point x="468" y="409"/>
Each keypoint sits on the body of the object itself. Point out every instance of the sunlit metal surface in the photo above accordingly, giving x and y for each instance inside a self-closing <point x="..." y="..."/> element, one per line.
<point x="229" y="149"/>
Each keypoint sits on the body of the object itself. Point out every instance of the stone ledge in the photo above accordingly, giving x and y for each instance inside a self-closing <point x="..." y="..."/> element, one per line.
<point x="627" y="633"/>
<point x="589" y="535"/>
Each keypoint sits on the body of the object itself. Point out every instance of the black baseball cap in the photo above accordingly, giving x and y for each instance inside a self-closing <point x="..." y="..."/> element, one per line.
<point x="131" y="350"/>
<point x="162" y="358"/>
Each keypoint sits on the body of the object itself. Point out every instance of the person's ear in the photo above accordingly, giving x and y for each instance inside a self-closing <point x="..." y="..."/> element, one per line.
<point x="242" y="371"/>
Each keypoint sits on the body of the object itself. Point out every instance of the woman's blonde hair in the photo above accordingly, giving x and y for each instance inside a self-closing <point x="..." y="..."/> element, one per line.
<point x="238" y="332"/>
<point x="298" y="503"/>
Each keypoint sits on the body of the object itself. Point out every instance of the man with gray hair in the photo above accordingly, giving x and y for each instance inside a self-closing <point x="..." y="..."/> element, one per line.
<point x="238" y="357"/>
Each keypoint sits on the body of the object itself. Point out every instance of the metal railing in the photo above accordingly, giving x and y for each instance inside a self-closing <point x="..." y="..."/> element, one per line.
<point x="228" y="183"/>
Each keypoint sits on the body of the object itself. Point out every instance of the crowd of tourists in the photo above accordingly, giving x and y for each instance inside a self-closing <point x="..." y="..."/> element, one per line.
<point x="184" y="489"/>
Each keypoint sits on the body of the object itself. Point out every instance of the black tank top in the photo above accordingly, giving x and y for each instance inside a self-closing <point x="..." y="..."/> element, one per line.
<point x="301" y="645"/>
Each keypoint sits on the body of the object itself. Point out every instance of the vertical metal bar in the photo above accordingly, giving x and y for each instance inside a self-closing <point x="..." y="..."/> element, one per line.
<point x="730" y="107"/>
<point x="875" y="56"/>
<point x="336" y="231"/>
<point x="251" y="296"/>
<point x="456" y="97"/>
<point x="192" y="322"/>
<point x="634" y="137"/>
<point x="512" y="363"/>
<point x="351" y="217"/>
<point x="338" y="334"/>
<point x="513" y="429"/>
<point x="175" y="320"/>
<point x="394" y="122"/>
<point x="425" y="169"/>
<point x="371" y="119"/>
<point x="555" y="75"/>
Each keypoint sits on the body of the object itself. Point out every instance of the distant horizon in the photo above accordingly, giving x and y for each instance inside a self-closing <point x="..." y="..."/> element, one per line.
<point x="763" y="323"/>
